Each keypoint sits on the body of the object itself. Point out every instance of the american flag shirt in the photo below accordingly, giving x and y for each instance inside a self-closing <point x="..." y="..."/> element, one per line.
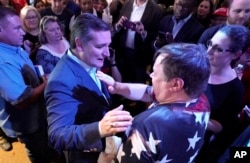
<point x="166" y="133"/>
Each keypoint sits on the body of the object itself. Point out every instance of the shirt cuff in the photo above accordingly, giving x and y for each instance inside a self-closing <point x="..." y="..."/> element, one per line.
<point x="100" y="130"/>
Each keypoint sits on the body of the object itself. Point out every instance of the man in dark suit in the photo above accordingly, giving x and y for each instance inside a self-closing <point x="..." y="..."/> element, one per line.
<point x="180" y="27"/>
<point x="78" y="103"/>
<point x="133" y="45"/>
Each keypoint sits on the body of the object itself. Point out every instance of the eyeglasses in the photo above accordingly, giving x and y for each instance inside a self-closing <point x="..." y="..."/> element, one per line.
<point x="216" y="48"/>
<point x="31" y="17"/>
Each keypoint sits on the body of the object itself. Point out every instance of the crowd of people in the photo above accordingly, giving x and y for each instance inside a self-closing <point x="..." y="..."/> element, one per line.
<point x="125" y="80"/>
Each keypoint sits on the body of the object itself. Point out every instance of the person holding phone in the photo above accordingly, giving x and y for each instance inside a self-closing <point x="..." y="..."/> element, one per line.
<point x="135" y="31"/>
<point x="182" y="26"/>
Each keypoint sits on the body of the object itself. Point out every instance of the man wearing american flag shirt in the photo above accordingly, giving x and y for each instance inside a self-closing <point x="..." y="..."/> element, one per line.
<point x="172" y="129"/>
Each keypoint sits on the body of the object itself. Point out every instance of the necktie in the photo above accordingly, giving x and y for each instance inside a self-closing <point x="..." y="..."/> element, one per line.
<point x="96" y="80"/>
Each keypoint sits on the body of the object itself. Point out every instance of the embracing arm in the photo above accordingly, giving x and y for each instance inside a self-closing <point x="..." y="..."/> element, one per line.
<point x="35" y="96"/>
<point x="133" y="91"/>
<point x="68" y="110"/>
<point x="214" y="126"/>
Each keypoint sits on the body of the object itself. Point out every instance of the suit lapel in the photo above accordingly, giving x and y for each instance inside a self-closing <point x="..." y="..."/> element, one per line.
<point x="106" y="93"/>
<point x="86" y="81"/>
<point x="186" y="28"/>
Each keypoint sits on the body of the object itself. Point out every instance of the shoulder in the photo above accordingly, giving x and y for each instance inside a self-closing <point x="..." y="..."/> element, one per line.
<point x="196" y="24"/>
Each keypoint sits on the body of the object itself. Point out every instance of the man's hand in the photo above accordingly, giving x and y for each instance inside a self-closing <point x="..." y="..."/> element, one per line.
<point x="108" y="80"/>
<point x="164" y="39"/>
<point x="27" y="46"/>
<point x="119" y="24"/>
<point x="115" y="121"/>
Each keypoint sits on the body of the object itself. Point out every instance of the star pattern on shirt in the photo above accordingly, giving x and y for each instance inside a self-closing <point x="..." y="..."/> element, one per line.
<point x="152" y="143"/>
<point x="164" y="159"/>
<point x="192" y="157"/>
<point x="198" y="117"/>
<point x="138" y="145"/>
<point x="120" y="153"/>
<point x="145" y="143"/>
<point x="206" y="119"/>
<point x="193" y="141"/>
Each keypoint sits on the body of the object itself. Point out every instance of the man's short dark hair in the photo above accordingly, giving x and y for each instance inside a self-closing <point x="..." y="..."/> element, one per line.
<point x="83" y="25"/>
<point x="4" y="12"/>
<point x="188" y="62"/>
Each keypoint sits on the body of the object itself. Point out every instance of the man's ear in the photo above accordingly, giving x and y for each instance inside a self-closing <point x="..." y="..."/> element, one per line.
<point x="177" y="84"/>
<point x="79" y="45"/>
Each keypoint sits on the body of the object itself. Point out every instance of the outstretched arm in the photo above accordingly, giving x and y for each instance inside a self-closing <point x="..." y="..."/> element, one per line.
<point x="131" y="91"/>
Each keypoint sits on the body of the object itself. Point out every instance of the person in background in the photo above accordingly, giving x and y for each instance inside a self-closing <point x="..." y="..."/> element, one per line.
<point x="134" y="33"/>
<point x="87" y="6"/>
<point x="72" y="6"/>
<point x="23" y="112"/>
<point x="219" y="16"/>
<point x="63" y="15"/>
<point x="172" y="128"/>
<point x="47" y="3"/>
<point x="182" y="26"/>
<point x="78" y="104"/>
<point x="53" y="44"/>
<point x="10" y="3"/>
<point x="103" y="9"/>
<point x="30" y="18"/>
<point x="110" y="66"/>
<point x="39" y="5"/>
<point x="133" y="45"/>
<point x="225" y="91"/>
<point x="204" y="11"/>
<point x="100" y="5"/>
<point x="238" y="13"/>
<point x="114" y="9"/>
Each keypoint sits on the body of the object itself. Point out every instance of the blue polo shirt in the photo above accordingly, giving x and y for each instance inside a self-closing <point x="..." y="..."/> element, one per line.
<point x="18" y="78"/>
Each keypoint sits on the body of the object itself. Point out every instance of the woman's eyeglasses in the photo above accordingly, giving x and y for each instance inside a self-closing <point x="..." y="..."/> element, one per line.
<point x="216" y="48"/>
<point x="30" y="17"/>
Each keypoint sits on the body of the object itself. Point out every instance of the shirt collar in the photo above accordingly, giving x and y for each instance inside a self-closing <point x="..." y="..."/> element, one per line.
<point x="143" y="5"/>
<point x="182" y="20"/>
<point x="16" y="49"/>
<point x="88" y="68"/>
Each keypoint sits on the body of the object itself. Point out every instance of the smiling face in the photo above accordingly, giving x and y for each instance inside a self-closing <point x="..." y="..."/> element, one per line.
<point x="96" y="50"/>
<point x="11" y="31"/>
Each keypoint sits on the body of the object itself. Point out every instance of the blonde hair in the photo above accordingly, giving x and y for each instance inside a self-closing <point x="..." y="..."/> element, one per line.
<point x="24" y="12"/>
<point x="45" y="20"/>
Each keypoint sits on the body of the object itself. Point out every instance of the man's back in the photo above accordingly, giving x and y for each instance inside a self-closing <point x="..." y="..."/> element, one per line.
<point x="156" y="131"/>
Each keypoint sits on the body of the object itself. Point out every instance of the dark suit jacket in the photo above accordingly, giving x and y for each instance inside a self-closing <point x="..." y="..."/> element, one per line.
<point x="209" y="33"/>
<point x="189" y="33"/>
<point x="75" y="105"/>
<point x="150" y="19"/>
